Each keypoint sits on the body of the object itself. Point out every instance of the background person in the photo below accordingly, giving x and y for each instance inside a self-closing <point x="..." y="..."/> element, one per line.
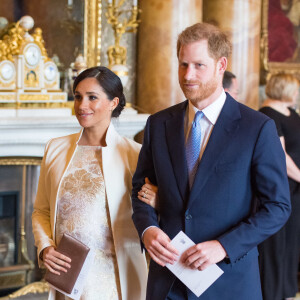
<point x="230" y="84"/>
<point x="240" y="157"/>
<point x="279" y="255"/>
<point x="84" y="190"/>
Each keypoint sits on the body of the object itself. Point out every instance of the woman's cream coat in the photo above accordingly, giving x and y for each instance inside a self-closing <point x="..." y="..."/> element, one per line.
<point x="119" y="159"/>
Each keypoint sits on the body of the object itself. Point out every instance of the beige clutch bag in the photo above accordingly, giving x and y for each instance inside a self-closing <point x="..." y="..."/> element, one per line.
<point x="78" y="252"/>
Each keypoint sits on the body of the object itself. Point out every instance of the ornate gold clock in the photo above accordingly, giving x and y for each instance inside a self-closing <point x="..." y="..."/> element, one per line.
<point x="51" y="75"/>
<point x="30" y="65"/>
<point x="27" y="74"/>
<point x="7" y="75"/>
<point x="32" y="54"/>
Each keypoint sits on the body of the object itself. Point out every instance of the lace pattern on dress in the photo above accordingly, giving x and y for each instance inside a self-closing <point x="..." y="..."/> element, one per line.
<point x="82" y="211"/>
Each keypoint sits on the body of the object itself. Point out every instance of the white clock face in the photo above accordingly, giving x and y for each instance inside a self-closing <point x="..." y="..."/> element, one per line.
<point x="50" y="71"/>
<point x="7" y="70"/>
<point x="32" y="55"/>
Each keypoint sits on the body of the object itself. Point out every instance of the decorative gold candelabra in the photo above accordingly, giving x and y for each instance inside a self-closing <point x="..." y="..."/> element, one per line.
<point x="117" y="53"/>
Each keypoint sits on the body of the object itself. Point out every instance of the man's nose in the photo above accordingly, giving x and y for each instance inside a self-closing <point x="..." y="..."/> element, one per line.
<point x="189" y="73"/>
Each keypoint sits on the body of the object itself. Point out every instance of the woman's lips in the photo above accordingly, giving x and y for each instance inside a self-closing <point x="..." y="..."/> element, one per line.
<point x="85" y="114"/>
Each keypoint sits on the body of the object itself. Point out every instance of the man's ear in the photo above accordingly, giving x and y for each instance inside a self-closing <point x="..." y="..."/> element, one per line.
<point x="222" y="64"/>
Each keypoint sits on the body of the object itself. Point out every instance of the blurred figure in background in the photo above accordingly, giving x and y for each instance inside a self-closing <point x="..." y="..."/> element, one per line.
<point x="279" y="255"/>
<point x="230" y="84"/>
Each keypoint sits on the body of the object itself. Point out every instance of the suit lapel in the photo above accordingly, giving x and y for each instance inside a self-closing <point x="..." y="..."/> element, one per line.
<point x="176" y="147"/>
<point x="223" y="131"/>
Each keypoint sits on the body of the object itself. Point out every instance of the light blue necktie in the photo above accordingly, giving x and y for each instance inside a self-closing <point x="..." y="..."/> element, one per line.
<point x="193" y="147"/>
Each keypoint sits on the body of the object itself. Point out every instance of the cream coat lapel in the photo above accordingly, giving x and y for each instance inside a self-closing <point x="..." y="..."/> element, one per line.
<point x="61" y="165"/>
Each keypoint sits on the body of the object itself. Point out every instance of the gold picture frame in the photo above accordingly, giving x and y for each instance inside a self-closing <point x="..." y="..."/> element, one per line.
<point x="269" y="66"/>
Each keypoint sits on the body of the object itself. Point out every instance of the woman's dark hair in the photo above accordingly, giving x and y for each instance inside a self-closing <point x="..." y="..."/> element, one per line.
<point x="109" y="82"/>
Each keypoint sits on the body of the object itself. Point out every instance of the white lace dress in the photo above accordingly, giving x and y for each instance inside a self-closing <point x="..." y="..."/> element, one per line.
<point x="82" y="211"/>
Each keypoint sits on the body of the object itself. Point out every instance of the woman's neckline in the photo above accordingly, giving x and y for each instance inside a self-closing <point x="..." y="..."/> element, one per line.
<point x="282" y="107"/>
<point x="280" y="112"/>
<point x="90" y="146"/>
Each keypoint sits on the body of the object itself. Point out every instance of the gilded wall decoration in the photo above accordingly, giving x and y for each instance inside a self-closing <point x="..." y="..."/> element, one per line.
<point x="280" y="40"/>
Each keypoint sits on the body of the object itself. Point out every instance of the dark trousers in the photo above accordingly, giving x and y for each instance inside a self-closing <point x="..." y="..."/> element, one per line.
<point x="178" y="291"/>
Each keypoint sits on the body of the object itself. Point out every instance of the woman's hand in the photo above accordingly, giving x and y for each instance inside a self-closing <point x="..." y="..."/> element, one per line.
<point x="55" y="261"/>
<point x="148" y="193"/>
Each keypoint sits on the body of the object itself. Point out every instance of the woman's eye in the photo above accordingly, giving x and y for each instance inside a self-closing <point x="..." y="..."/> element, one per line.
<point x="92" y="97"/>
<point x="77" y="97"/>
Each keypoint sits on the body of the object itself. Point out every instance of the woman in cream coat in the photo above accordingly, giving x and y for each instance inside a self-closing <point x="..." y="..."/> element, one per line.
<point x="84" y="189"/>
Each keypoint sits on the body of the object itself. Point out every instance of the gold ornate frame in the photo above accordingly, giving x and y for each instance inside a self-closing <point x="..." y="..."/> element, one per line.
<point x="267" y="66"/>
<point x="92" y="31"/>
<point x="15" y="277"/>
<point x="38" y="287"/>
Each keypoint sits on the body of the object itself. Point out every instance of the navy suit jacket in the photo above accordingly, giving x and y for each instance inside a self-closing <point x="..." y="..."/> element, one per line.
<point x="240" y="195"/>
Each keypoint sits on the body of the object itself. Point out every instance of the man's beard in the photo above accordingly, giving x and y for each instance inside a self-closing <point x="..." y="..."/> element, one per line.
<point x="204" y="90"/>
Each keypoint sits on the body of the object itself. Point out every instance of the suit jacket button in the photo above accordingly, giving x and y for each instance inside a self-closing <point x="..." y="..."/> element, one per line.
<point x="188" y="217"/>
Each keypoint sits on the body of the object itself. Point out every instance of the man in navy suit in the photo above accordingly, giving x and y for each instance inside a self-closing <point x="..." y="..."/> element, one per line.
<point x="239" y="194"/>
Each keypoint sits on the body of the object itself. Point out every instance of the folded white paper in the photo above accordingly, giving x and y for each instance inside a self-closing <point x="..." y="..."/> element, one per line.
<point x="197" y="281"/>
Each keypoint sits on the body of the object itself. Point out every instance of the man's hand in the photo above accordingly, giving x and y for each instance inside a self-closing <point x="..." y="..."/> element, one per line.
<point x="203" y="255"/>
<point x="159" y="247"/>
<point x="55" y="261"/>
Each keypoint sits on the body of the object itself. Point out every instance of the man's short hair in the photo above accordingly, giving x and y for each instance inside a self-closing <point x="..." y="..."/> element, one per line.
<point x="227" y="79"/>
<point x="218" y="43"/>
<point x="282" y="87"/>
